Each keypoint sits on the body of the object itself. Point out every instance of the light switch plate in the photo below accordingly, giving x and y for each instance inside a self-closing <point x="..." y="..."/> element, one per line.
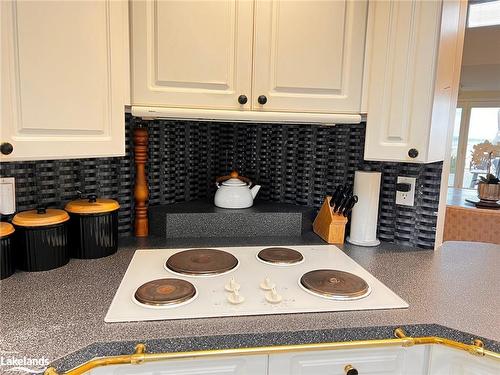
<point x="406" y="198"/>
<point x="7" y="195"/>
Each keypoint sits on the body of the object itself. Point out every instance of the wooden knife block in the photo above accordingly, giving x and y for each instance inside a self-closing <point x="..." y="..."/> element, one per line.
<point x="328" y="225"/>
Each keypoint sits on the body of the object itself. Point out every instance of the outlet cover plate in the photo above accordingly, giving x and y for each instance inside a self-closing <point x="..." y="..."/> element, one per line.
<point x="7" y="195"/>
<point x="406" y="198"/>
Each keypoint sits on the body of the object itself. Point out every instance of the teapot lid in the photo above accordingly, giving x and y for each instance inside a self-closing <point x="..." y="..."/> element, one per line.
<point x="234" y="182"/>
<point x="234" y="179"/>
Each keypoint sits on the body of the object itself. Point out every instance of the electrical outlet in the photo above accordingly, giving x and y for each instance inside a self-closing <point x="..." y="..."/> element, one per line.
<point x="406" y="198"/>
<point x="7" y="195"/>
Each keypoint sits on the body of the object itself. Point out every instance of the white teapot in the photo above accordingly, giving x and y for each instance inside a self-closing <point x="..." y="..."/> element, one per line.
<point x="234" y="191"/>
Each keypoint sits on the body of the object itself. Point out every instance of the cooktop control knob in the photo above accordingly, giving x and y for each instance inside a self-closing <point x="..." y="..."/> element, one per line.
<point x="232" y="285"/>
<point x="267" y="284"/>
<point x="235" y="297"/>
<point x="272" y="296"/>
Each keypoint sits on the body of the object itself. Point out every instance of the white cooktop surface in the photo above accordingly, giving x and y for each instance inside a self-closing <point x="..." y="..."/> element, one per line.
<point x="211" y="299"/>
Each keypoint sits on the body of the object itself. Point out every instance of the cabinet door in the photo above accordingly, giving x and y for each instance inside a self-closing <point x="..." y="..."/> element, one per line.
<point x="447" y="361"/>
<point x="63" y="78"/>
<point x="383" y="361"/>
<point x="413" y="78"/>
<point x="308" y="55"/>
<point x="241" y="365"/>
<point x="192" y="54"/>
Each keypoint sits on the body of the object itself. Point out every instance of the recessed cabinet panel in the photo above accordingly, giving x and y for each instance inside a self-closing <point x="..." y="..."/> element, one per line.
<point x="50" y="63"/>
<point x="382" y="361"/>
<point x="323" y="57"/>
<point x="63" y="79"/>
<point x="179" y="51"/>
<point x="446" y="361"/>
<point x="308" y="55"/>
<point x="192" y="54"/>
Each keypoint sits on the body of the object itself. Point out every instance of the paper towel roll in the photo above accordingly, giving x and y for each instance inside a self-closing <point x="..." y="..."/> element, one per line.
<point x="365" y="213"/>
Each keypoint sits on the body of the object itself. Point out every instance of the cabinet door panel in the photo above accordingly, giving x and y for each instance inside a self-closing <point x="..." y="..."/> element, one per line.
<point x="413" y="80"/>
<point x="309" y="55"/>
<point x="63" y="78"/>
<point x="446" y="361"/>
<point x="242" y="365"/>
<point x="384" y="361"/>
<point x="405" y="38"/>
<point x="193" y="54"/>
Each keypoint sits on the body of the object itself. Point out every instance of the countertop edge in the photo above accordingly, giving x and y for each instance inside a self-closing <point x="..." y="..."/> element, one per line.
<point x="249" y="340"/>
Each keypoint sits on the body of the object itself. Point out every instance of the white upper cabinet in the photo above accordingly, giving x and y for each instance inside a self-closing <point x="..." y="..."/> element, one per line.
<point x="308" y="55"/>
<point x="413" y="62"/>
<point x="63" y="78"/>
<point x="192" y="54"/>
<point x="206" y="58"/>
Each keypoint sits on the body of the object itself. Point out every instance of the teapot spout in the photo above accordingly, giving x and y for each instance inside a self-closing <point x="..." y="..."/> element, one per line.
<point x="254" y="190"/>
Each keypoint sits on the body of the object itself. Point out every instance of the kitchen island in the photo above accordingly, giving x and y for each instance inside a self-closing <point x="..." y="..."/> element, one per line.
<point x="59" y="314"/>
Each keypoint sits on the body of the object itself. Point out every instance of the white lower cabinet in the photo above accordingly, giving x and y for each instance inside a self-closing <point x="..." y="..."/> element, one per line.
<point x="238" y="365"/>
<point x="415" y="360"/>
<point x="379" y="361"/>
<point x="446" y="361"/>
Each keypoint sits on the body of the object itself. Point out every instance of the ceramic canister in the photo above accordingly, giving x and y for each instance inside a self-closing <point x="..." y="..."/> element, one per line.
<point x="41" y="239"/>
<point x="7" y="261"/>
<point x="93" y="227"/>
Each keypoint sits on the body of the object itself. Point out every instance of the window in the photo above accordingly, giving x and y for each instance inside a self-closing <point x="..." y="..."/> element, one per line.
<point x="454" y="147"/>
<point x="475" y="124"/>
<point x="484" y="13"/>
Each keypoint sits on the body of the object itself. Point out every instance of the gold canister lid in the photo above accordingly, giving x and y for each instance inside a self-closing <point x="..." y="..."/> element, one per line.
<point x="40" y="217"/>
<point x="6" y="229"/>
<point x="92" y="205"/>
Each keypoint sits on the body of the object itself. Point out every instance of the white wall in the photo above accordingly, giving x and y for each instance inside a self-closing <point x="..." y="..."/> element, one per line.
<point x="481" y="59"/>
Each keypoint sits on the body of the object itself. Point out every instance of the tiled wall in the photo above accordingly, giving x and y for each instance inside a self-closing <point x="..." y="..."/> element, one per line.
<point x="293" y="163"/>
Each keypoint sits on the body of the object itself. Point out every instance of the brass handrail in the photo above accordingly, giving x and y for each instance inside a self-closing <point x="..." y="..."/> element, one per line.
<point x="140" y="356"/>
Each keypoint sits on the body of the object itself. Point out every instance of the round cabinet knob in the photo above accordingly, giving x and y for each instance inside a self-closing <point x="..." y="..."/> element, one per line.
<point x="6" y="148"/>
<point x="242" y="99"/>
<point x="349" y="370"/>
<point x="413" y="153"/>
<point x="262" y="99"/>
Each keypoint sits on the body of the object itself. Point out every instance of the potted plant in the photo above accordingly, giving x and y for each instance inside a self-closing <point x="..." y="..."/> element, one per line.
<point x="488" y="188"/>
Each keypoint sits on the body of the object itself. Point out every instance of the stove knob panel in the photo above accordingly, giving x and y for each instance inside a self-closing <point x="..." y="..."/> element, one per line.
<point x="232" y="285"/>
<point x="267" y="284"/>
<point x="235" y="297"/>
<point x="273" y="296"/>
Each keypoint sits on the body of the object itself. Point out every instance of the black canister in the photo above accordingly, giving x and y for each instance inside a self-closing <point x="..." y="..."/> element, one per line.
<point x="7" y="261"/>
<point x="42" y="239"/>
<point x="93" y="227"/>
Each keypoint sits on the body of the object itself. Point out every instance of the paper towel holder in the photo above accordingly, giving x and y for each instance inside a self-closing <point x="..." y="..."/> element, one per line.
<point x="364" y="215"/>
<point x="376" y="242"/>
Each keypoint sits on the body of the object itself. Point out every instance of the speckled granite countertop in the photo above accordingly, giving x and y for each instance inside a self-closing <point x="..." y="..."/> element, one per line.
<point x="452" y="293"/>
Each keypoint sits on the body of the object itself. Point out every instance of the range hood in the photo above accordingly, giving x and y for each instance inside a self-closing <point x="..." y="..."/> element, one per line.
<point x="245" y="116"/>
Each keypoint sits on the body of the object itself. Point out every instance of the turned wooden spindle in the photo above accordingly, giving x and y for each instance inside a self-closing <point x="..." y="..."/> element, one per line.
<point x="141" y="192"/>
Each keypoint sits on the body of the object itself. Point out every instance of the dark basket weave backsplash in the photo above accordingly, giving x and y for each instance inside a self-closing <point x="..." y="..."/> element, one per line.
<point x="297" y="164"/>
